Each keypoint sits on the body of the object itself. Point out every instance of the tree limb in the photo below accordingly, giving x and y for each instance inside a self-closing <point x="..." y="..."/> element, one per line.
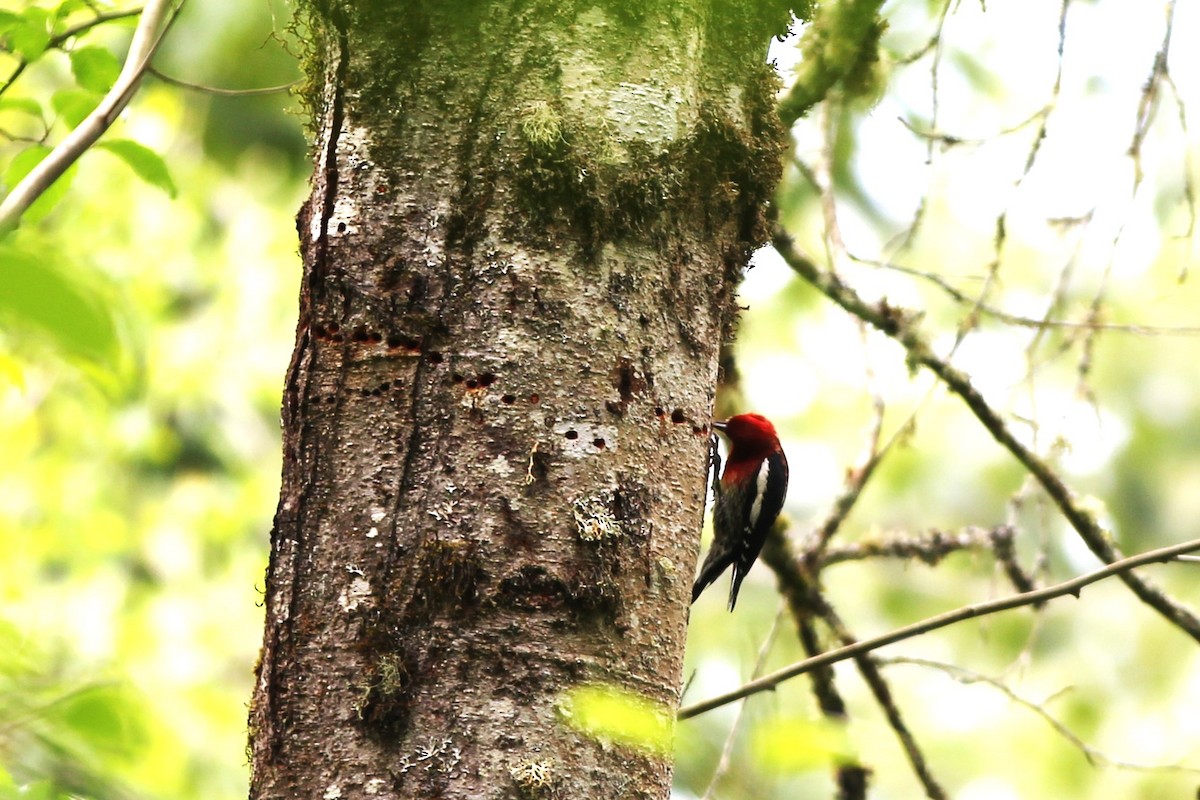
<point x="901" y="326"/>
<point x="1071" y="587"/>
<point x="146" y="39"/>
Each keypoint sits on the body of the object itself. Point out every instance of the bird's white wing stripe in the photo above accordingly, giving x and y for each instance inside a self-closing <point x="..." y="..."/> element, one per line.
<point x="760" y="491"/>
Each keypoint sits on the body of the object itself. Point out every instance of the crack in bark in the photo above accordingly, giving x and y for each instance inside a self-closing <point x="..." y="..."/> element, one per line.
<point x="289" y="520"/>
<point x="336" y="120"/>
<point x="317" y="268"/>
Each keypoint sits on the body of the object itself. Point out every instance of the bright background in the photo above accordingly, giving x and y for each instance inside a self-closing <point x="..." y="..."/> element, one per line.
<point x="1116" y="415"/>
<point x="141" y="447"/>
<point x="140" y="475"/>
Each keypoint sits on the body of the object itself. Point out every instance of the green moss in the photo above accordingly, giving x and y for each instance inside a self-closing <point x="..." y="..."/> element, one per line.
<point x="841" y="50"/>
<point x="578" y="180"/>
<point x="541" y="125"/>
<point x="725" y="171"/>
<point x="310" y="30"/>
<point x="594" y="520"/>
<point x="385" y="696"/>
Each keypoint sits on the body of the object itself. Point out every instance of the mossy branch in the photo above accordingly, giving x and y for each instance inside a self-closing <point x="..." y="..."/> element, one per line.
<point x="840" y="46"/>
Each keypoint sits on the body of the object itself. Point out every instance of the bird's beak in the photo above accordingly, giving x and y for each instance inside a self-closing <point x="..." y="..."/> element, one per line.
<point x="719" y="425"/>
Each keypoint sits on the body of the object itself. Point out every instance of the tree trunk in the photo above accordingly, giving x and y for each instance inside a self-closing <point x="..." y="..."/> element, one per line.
<point x="526" y="228"/>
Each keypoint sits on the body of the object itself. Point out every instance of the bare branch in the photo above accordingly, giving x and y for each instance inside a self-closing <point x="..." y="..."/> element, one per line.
<point x="1006" y="555"/>
<point x="145" y="41"/>
<point x="196" y="87"/>
<point x="868" y="667"/>
<point x="902" y="326"/>
<point x="1093" y="755"/>
<point x="929" y="547"/>
<point x="1072" y="587"/>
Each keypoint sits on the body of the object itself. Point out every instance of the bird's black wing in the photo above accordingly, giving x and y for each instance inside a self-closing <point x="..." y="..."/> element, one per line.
<point x="757" y="528"/>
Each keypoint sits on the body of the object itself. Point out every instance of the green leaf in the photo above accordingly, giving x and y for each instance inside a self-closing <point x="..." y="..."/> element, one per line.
<point x="107" y="719"/>
<point x="793" y="744"/>
<point x="27" y="34"/>
<point x="68" y="7"/>
<point x="73" y="105"/>
<point x="21" y="165"/>
<point x="148" y="164"/>
<point x="613" y="714"/>
<point x="40" y="790"/>
<point x="95" y="68"/>
<point x="36" y="293"/>
<point x="26" y="105"/>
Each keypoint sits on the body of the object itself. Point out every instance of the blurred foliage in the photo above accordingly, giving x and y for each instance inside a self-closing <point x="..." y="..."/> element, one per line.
<point x="913" y="200"/>
<point x="611" y="714"/>
<point x="146" y="315"/>
<point x="146" y="311"/>
<point x="796" y="745"/>
<point x="59" y="735"/>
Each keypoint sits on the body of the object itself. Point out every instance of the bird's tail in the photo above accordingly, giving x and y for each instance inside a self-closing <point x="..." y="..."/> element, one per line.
<point x="713" y="566"/>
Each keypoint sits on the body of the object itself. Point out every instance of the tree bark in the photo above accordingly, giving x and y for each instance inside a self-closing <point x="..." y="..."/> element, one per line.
<point x="526" y="227"/>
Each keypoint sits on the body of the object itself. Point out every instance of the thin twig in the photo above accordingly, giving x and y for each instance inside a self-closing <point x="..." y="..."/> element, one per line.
<point x="83" y="27"/>
<point x="1189" y="186"/>
<point x="959" y="296"/>
<point x="856" y="481"/>
<point x="1000" y="232"/>
<point x="727" y="750"/>
<point x="59" y="39"/>
<point x="901" y="325"/>
<point x="1072" y="587"/>
<point x="21" y="66"/>
<point x="146" y="39"/>
<point x="196" y="87"/>
<point x="868" y="667"/>
<point x="935" y="45"/>
<point x="1093" y="755"/>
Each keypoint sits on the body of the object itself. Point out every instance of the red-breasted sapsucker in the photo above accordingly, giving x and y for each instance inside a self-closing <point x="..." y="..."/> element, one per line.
<point x="748" y="499"/>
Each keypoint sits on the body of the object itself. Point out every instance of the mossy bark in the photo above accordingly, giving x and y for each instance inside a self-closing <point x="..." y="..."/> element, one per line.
<point x="527" y="223"/>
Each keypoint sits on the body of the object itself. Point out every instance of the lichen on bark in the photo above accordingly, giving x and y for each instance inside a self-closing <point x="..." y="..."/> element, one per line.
<point x="521" y="250"/>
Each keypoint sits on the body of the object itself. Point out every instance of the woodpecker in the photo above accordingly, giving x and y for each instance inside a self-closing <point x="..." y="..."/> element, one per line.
<point x="749" y="497"/>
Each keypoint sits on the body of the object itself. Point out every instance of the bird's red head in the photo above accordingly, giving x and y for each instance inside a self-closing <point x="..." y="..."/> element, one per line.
<point x="751" y="437"/>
